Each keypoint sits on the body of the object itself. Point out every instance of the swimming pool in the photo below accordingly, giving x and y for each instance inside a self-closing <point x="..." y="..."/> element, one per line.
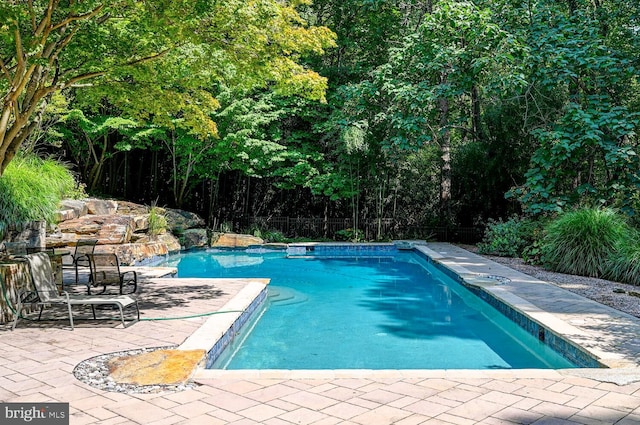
<point x="374" y="309"/>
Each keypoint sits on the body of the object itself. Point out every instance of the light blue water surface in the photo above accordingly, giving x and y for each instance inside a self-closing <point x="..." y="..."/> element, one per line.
<point x="388" y="312"/>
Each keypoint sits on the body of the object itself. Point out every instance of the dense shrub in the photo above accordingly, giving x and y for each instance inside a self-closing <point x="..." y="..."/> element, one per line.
<point x="508" y="238"/>
<point x="352" y="235"/>
<point x="32" y="189"/>
<point x="582" y="242"/>
<point x="624" y="264"/>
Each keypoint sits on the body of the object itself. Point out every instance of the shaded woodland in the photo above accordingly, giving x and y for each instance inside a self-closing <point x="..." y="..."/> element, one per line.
<point x="421" y="114"/>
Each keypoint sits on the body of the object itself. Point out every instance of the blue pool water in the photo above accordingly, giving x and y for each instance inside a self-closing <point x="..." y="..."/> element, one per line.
<point x="370" y="312"/>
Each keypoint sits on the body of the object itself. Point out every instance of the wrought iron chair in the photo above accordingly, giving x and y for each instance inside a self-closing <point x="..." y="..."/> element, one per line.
<point x="105" y="271"/>
<point x="15" y="248"/>
<point x="80" y="257"/>
<point x="46" y="293"/>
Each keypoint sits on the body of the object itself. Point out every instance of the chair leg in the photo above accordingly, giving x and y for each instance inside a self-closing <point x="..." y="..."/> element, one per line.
<point x="18" y="311"/>
<point x="137" y="315"/>
<point x="93" y="309"/>
<point x="70" y="315"/>
<point x="121" y="315"/>
<point x="40" y="314"/>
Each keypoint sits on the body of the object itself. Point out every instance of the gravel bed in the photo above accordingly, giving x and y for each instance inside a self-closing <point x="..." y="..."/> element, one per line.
<point x="95" y="372"/>
<point x="621" y="296"/>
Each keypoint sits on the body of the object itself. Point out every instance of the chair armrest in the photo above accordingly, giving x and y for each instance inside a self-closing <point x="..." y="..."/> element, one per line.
<point x="26" y="296"/>
<point x="133" y="272"/>
<point x="128" y="278"/>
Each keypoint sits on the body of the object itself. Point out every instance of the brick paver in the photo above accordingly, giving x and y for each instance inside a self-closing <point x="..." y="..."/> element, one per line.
<point x="37" y="361"/>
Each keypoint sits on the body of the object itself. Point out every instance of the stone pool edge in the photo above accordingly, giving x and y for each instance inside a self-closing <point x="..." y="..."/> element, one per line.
<point x="219" y="329"/>
<point x="628" y="370"/>
<point x="563" y="335"/>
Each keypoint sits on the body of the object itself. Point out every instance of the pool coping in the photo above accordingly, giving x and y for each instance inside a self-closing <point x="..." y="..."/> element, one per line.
<point x="479" y="275"/>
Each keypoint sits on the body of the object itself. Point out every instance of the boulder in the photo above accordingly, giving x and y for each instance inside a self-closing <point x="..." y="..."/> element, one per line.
<point x="76" y="207"/>
<point x="131" y="208"/>
<point x="108" y="229"/>
<point x="132" y="253"/>
<point x="101" y="206"/>
<point x="57" y="239"/>
<point x="180" y="220"/>
<point x="122" y="227"/>
<point x="194" y="238"/>
<point x="64" y="215"/>
<point x="140" y="222"/>
<point x="33" y="234"/>
<point x="172" y="242"/>
<point x="233" y="240"/>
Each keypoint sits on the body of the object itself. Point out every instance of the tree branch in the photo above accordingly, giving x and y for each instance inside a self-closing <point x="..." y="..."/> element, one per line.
<point x="85" y="16"/>
<point x="81" y="77"/>
<point x="46" y="20"/>
<point x="5" y="71"/>
<point x="148" y="58"/>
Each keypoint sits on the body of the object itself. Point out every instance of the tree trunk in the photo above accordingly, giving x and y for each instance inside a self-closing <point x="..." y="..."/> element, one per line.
<point x="445" y="149"/>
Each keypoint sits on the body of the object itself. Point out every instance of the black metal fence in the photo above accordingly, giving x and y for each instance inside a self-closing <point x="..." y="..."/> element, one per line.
<point x="343" y="229"/>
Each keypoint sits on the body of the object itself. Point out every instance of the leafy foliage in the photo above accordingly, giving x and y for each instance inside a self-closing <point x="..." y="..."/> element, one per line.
<point x="155" y="61"/>
<point x="586" y="134"/>
<point x="508" y="238"/>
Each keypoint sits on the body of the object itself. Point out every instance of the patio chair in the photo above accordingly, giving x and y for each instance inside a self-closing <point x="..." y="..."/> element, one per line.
<point x="34" y="249"/>
<point x="80" y="257"/>
<point x="15" y="248"/>
<point x="46" y="293"/>
<point x="105" y="271"/>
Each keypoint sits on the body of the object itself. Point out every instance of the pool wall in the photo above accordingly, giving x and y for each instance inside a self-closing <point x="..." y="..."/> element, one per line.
<point x="228" y="322"/>
<point x="479" y="285"/>
<point x="228" y="337"/>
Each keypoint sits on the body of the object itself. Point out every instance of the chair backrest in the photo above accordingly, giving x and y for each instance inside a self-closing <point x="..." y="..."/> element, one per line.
<point x="34" y="249"/>
<point x="42" y="276"/>
<point x="105" y="269"/>
<point x="15" y="248"/>
<point x="85" y="247"/>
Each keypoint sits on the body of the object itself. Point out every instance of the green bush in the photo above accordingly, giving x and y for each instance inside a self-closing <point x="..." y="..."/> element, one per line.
<point x="274" y="236"/>
<point x="509" y="238"/>
<point x="158" y="223"/>
<point x="624" y="264"/>
<point x="582" y="242"/>
<point x="32" y="189"/>
<point x="352" y="235"/>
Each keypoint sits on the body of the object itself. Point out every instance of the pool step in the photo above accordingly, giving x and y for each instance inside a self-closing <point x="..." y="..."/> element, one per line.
<point x="285" y="296"/>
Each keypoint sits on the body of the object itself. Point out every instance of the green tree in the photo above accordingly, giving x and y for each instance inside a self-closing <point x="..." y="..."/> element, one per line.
<point x="431" y="90"/>
<point x="91" y="142"/>
<point x="153" y="60"/>
<point x="580" y="81"/>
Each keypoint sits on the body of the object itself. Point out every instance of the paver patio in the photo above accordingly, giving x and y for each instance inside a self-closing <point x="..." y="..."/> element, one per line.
<point x="37" y="362"/>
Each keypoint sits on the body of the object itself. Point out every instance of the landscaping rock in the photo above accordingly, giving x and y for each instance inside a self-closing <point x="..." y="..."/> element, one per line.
<point x="161" y="367"/>
<point x="101" y="206"/>
<point x="108" y="229"/>
<point x="122" y="228"/>
<point x="233" y="240"/>
<point x="140" y="222"/>
<point x="78" y="206"/>
<point x="131" y="254"/>
<point x="180" y="220"/>
<point x="194" y="238"/>
<point x="131" y="208"/>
